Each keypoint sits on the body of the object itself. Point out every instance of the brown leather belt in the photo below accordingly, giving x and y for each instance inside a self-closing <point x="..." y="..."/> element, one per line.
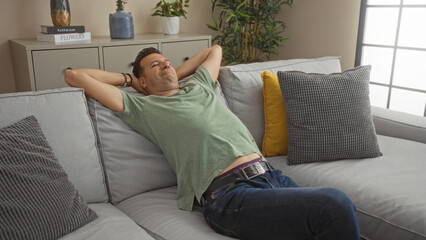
<point x="248" y="172"/>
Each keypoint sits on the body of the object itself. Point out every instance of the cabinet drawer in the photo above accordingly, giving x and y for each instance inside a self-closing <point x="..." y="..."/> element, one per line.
<point x="177" y="52"/>
<point x="119" y="58"/>
<point x="49" y="65"/>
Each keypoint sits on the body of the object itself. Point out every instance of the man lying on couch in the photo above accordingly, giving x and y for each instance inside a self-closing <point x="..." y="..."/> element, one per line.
<point x="215" y="158"/>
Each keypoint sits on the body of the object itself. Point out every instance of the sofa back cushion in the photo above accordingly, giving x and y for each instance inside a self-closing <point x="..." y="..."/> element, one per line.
<point x="243" y="89"/>
<point x="132" y="163"/>
<point x="64" y="119"/>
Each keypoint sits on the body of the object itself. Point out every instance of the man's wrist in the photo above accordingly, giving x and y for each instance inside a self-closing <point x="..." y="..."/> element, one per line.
<point x="134" y="80"/>
<point x="128" y="80"/>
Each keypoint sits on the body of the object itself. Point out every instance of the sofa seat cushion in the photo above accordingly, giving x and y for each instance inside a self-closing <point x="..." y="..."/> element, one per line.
<point x="388" y="191"/>
<point x="157" y="212"/>
<point x="111" y="224"/>
<point x="64" y="120"/>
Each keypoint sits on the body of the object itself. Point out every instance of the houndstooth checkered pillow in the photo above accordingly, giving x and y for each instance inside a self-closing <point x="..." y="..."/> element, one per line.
<point x="37" y="201"/>
<point x="328" y="116"/>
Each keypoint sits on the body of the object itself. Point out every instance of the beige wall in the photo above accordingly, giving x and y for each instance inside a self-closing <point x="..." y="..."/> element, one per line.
<point x="316" y="27"/>
<point x="22" y="19"/>
<point x="322" y="28"/>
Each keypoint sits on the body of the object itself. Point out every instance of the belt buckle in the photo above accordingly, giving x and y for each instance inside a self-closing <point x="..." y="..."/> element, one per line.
<point x="260" y="170"/>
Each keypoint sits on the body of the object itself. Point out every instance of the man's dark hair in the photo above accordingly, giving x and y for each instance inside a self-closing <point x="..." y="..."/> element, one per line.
<point x="137" y="68"/>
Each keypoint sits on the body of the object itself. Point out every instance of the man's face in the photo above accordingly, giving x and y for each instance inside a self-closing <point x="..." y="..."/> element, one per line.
<point x="158" y="75"/>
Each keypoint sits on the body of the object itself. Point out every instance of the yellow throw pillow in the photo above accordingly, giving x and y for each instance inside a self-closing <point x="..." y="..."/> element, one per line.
<point x="275" y="141"/>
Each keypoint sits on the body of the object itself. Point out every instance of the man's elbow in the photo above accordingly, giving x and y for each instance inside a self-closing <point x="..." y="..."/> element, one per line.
<point x="217" y="48"/>
<point x="67" y="77"/>
<point x="218" y="52"/>
<point x="70" y="78"/>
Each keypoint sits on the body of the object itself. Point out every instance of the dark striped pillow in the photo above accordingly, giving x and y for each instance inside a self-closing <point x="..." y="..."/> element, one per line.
<point x="37" y="201"/>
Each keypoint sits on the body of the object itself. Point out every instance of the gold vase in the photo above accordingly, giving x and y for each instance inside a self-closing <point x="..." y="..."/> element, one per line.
<point x="60" y="12"/>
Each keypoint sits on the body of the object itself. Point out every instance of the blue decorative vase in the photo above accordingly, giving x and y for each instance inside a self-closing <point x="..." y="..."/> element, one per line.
<point x="121" y="25"/>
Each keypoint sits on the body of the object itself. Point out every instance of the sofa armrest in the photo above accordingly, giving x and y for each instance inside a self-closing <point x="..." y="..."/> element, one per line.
<point x="399" y="124"/>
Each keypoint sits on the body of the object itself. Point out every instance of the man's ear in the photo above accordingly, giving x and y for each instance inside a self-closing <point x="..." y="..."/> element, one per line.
<point x="143" y="85"/>
<point x="142" y="82"/>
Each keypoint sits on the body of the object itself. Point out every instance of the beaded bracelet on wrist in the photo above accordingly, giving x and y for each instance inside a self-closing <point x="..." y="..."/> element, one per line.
<point x="126" y="80"/>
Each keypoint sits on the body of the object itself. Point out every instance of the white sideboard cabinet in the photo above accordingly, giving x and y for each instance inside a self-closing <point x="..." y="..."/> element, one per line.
<point x="41" y="65"/>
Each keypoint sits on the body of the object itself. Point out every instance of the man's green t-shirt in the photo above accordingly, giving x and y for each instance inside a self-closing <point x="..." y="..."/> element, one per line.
<point x="197" y="133"/>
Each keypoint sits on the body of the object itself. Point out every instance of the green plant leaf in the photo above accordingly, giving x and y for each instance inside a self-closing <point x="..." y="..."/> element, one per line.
<point x="243" y="14"/>
<point x="236" y="27"/>
<point x="231" y="16"/>
<point x="242" y="4"/>
<point x="214" y="21"/>
<point x="212" y="27"/>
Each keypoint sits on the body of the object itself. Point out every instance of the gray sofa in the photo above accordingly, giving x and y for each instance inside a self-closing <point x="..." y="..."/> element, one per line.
<point x="127" y="181"/>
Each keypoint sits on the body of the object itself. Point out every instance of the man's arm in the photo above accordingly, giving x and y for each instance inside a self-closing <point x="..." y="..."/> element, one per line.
<point x="100" y="85"/>
<point x="210" y="58"/>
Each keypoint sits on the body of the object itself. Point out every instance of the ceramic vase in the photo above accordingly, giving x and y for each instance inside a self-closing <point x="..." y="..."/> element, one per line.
<point x="170" y="25"/>
<point x="60" y="12"/>
<point x="121" y="25"/>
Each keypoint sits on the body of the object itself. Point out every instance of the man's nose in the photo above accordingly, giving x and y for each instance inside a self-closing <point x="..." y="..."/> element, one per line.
<point x="165" y="64"/>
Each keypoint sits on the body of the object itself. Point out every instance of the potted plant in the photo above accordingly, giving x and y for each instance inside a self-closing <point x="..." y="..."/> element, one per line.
<point x="249" y="30"/>
<point x="120" y="22"/>
<point x="170" y="13"/>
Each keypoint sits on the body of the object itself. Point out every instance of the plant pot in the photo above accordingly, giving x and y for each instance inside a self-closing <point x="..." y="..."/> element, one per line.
<point x="170" y="25"/>
<point x="60" y="12"/>
<point x="121" y="25"/>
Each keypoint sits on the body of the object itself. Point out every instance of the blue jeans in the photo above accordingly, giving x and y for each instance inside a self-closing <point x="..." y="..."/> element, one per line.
<point x="272" y="206"/>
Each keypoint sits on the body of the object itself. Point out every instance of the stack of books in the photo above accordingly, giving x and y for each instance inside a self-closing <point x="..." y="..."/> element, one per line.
<point x="63" y="34"/>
